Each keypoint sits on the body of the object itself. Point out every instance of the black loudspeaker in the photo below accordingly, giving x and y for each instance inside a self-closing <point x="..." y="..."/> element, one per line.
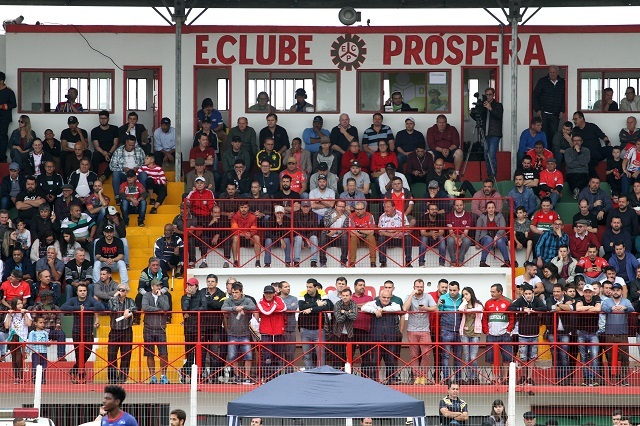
<point x="348" y="16"/>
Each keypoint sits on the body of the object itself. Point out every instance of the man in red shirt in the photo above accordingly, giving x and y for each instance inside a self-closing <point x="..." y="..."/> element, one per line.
<point x="14" y="287"/>
<point x="444" y="141"/>
<point x="203" y="150"/>
<point x="298" y="177"/>
<point x="458" y="241"/>
<point x="244" y="223"/>
<point x="354" y="154"/>
<point x="539" y="155"/>
<point x="580" y="241"/>
<point x="133" y="198"/>
<point x="551" y="182"/>
<point x="362" y="326"/>
<point x="272" y="323"/>
<point x="200" y="202"/>
<point x="593" y="265"/>
<point x="402" y="199"/>
<point x="542" y="220"/>
<point x="364" y="223"/>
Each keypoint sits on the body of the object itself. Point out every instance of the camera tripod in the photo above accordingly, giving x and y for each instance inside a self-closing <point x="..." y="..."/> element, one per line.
<point x="482" y="140"/>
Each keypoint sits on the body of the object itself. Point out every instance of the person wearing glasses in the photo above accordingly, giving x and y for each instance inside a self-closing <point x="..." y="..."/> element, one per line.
<point x="262" y="104"/>
<point x="122" y="309"/>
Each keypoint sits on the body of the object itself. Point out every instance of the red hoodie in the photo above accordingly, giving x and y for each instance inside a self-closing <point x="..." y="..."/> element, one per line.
<point x="272" y="318"/>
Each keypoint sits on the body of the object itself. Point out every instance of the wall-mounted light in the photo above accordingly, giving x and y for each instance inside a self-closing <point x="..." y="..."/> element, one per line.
<point x="348" y="16"/>
<point x="18" y="20"/>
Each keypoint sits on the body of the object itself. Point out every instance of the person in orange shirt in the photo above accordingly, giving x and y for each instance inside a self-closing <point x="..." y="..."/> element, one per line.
<point x="244" y="225"/>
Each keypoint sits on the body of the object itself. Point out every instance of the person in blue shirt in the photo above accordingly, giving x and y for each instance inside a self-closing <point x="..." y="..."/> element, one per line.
<point x="616" y="330"/>
<point x="529" y="137"/>
<point x="110" y="413"/>
<point x="450" y="330"/>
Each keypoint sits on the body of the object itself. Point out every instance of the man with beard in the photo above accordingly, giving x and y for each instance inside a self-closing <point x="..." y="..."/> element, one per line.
<point x="29" y="200"/>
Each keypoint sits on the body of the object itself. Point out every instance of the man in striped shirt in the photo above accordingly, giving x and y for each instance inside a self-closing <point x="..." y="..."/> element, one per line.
<point x="156" y="181"/>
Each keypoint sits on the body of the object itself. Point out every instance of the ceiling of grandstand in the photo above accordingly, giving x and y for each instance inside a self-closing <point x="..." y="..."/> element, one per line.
<point x="327" y="4"/>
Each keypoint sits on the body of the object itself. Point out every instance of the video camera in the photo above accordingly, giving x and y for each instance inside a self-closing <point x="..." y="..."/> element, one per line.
<point x="479" y="112"/>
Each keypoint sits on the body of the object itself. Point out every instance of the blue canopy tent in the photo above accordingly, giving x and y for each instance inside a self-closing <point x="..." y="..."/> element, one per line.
<point x="325" y="392"/>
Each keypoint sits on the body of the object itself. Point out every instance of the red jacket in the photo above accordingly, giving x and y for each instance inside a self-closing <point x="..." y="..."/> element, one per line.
<point x="348" y="158"/>
<point x="496" y="321"/>
<point x="272" y="318"/>
<point x="438" y="139"/>
<point x="201" y="202"/>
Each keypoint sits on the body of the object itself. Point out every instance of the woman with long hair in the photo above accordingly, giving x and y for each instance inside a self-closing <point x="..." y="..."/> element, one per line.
<point x="470" y="332"/>
<point x="498" y="416"/>
<point x="67" y="245"/>
<point x="9" y="240"/>
<point x="17" y="321"/>
<point x="551" y="277"/>
<point x="21" y="140"/>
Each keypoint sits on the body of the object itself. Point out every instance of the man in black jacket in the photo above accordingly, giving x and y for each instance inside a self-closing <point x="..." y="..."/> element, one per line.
<point x="211" y="327"/>
<point x="50" y="182"/>
<point x="191" y="301"/>
<point x="492" y="121"/>
<point x="561" y="327"/>
<point x="11" y="186"/>
<point x="549" y="101"/>
<point x="310" y="308"/>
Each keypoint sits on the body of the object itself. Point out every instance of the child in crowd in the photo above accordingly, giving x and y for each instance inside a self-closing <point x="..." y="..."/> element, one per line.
<point x="614" y="170"/>
<point x="450" y="185"/>
<point x="156" y="182"/>
<point x="17" y="321"/>
<point x="38" y="351"/>
<point x="23" y="235"/>
<point x="521" y="228"/>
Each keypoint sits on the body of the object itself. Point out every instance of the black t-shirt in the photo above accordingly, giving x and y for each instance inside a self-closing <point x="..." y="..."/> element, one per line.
<point x="293" y="195"/>
<point x="588" y="321"/>
<point x="109" y="251"/>
<point x="590" y="217"/>
<point x="28" y="196"/>
<point x="104" y="137"/>
<point x="529" y="174"/>
<point x="70" y="137"/>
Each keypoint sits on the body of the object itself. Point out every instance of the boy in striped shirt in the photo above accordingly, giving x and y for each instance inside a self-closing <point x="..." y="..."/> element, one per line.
<point x="156" y="182"/>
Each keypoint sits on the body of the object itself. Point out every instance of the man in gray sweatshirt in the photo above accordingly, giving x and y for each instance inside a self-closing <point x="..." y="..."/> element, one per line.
<point x="155" y="305"/>
<point x="238" y="308"/>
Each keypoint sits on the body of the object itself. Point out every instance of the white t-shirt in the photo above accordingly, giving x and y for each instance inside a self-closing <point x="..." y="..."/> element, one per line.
<point x="535" y="280"/>
<point x="82" y="189"/>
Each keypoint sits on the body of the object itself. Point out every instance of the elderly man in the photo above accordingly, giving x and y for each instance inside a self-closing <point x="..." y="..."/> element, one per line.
<point x="127" y="157"/>
<point x="444" y="141"/>
<point x="549" y="100"/>
<point x="390" y="236"/>
<point x="247" y="135"/>
<point x="342" y="135"/>
<point x="630" y="102"/>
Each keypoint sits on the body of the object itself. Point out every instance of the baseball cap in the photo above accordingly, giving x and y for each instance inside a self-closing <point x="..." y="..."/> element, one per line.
<point x="318" y="119"/>
<point x="279" y="209"/>
<point x="14" y="166"/>
<point x="236" y="139"/>
<point x="434" y="184"/>
<point x="165" y="120"/>
<point x="269" y="289"/>
<point x="322" y="177"/>
<point x="529" y="415"/>
<point x="200" y="179"/>
<point x="587" y="287"/>
<point x="67" y="186"/>
<point x="410" y="119"/>
<point x="72" y="120"/>
<point x="199" y="161"/>
<point x="356" y="163"/>
<point x="551" y="160"/>
<point x="390" y="166"/>
<point x="583" y="222"/>
<point x="306" y="203"/>
<point x="323" y="166"/>
<point x="112" y="210"/>
<point x="204" y="120"/>
<point x="616" y="285"/>
<point x="131" y="173"/>
<point x="192" y="281"/>
<point x="108" y="228"/>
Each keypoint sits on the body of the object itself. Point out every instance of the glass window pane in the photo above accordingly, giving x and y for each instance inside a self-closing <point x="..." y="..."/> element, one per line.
<point x="327" y="92"/>
<point x="437" y="91"/>
<point x="370" y="89"/>
<point x="411" y="85"/>
<point x="31" y="91"/>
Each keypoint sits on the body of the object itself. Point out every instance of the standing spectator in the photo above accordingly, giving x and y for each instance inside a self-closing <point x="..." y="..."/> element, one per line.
<point x="211" y="327"/>
<point x="104" y="138"/>
<point x="561" y="328"/>
<point x="493" y="131"/>
<point x="155" y="305"/>
<point x="150" y="273"/>
<point x="127" y="157"/>
<point x="592" y="135"/>
<point x="272" y="329"/>
<point x="53" y="320"/>
<point x="7" y="104"/>
<point x="549" y="100"/>
<point x="616" y="330"/>
<point x="497" y="326"/>
<point x="120" y="333"/>
<point x="191" y="301"/>
<point x="470" y="332"/>
<point x="345" y="312"/>
<point x="84" y="322"/>
<point x="453" y="410"/>
<point x="385" y="330"/>
<point x="17" y="321"/>
<point x="310" y="306"/>
<point x="450" y="331"/>
<point x="135" y="129"/>
<point x="238" y="308"/>
<point x="418" y="330"/>
<point x="110" y="253"/>
<point x="164" y="142"/>
<point x="589" y="305"/>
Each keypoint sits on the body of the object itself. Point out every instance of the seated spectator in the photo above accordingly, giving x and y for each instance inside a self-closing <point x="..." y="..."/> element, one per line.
<point x="259" y="202"/>
<point x="457" y="240"/>
<point x="542" y="221"/>
<point x="385" y="180"/>
<point x="435" y="196"/>
<point x="269" y="180"/>
<point x="343" y="134"/>
<point x="565" y="263"/>
<point x="382" y="157"/>
<point x="418" y="164"/>
<point x="562" y="141"/>
<point x="245" y="227"/>
<point x="628" y="216"/>
<point x="70" y="105"/>
<point x="53" y="147"/>
<point x="432" y="227"/>
<point x="614" y="234"/>
<point x="200" y="171"/>
<point x="114" y="219"/>
<point x="606" y="104"/>
<point x="72" y="161"/>
<point x="219" y="235"/>
<point x="581" y="239"/>
<point x="287" y="193"/>
<point x="78" y="270"/>
<point x="97" y="202"/>
<point x="133" y="198"/>
<point x="12" y="185"/>
<point x="237" y="152"/>
<point x="482" y="197"/>
<point x="376" y="133"/>
<point x="402" y="199"/>
<point x="275" y="132"/>
<point x="334" y="220"/>
<point x="200" y="202"/>
<point x="408" y="140"/>
<point x="332" y="178"/>
<point x="522" y="195"/>
<point x="207" y="138"/>
<point x="278" y="234"/>
<point x="437" y="174"/>
<point x="29" y="201"/>
<point x="49" y="310"/>
<point x="599" y="201"/>
<point x="62" y="205"/>
<point x="262" y="103"/>
<point x="328" y="156"/>
<point x="451" y="187"/>
<point x="363" y="183"/>
<point x="44" y="283"/>
<point x="306" y="223"/>
<point x="630" y="168"/>
<point x="584" y="213"/>
<point x="354" y="155"/>
<point x="352" y="194"/>
<point x="133" y="128"/>
<point x="82" y="180"/>
<point x="50" y="183"/>
<point x="15" y="286"/>
<point x="529" y="137"/>
<point x="23" y="236"/>
<point x="52" y="264"/>
<point x="591" y="136"/>
<point x="126" y="157"/>
<point x="488" y="236"/>
<point x="615" y="171"/>
<point x="36" y="158"/>
<point x="67" y="245"/>
<point x="21" y="140"/>
<point x="362" y="231"/>
<point x="302" y="156"/>
<point x="322" y="198"/>
<point x="301" y="104"/>
<point x="629" y="135"/>
<point x="214" y="116"/>
<point x="70" y="137"/>
<point x="624" y="264"/>
<point x="39" y="247"/>
<point x="630" y="102"/>
<point x="238" y="308"/>
<point x="110" y="253"/>
<point x="396" y="103"/>
<point x="531" y="175"/>
<point x="240" y="176"/>
<point x="169" y="249"/>
<point x="551" y="182"/>
<point x="444" y="141"/>
<point x="155" y="184"/>
<point x="539" y="155"/>
<point x="298" y="177"/>
<point x="164" y="142"/>
<point x="270" y="154"/>
<point x="593" y="265"/>
<point x="45" y="221"/>
<point x="105" y="288"/>
<point x="313" y="136"/>
<point x="203" y="150"/>
<point x="104" y="139"/>
<point x="228" y="200"/>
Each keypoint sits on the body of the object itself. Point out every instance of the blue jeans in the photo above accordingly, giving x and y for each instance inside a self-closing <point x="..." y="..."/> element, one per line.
<point x="297" y="247"/>
<point x="528" y="352"/>
<point x="470" y="356"/>
<point x="449" y="351"/>
<point x="307" y="335"/>
<point x="590" y="359"/>
<point x="554" y="198"/>
<point x="120" y="266"/>
<point x="506" y="350"/>
<point x="268" y="247"/>
<point x="385" y="242"/>
<point x="490" y="154"/>
<point x="119" y="177"/>
<point x="128" y="208"/>
<point x="245" y="350"/>
<point x="125" y="245"/>
<point x="428" y="243"/>
<point x="487" y="242"/>
<point x="561" y="355"/>
<point x="58" y="336"/>
<point x="70" y="290"/>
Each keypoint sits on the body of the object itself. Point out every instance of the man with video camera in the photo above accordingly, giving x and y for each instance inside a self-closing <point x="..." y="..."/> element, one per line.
<point x="488" y="116"/>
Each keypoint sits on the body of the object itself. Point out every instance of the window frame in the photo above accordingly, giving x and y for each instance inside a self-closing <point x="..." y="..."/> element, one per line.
<point x="448" y="71"/>
<point x="61" y="71"/>
<point x="302" y="72"/>
<point x="602" y="72"/>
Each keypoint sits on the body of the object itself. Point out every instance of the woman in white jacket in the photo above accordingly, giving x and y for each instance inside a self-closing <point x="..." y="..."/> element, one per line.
<point x="470" y="332"/>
